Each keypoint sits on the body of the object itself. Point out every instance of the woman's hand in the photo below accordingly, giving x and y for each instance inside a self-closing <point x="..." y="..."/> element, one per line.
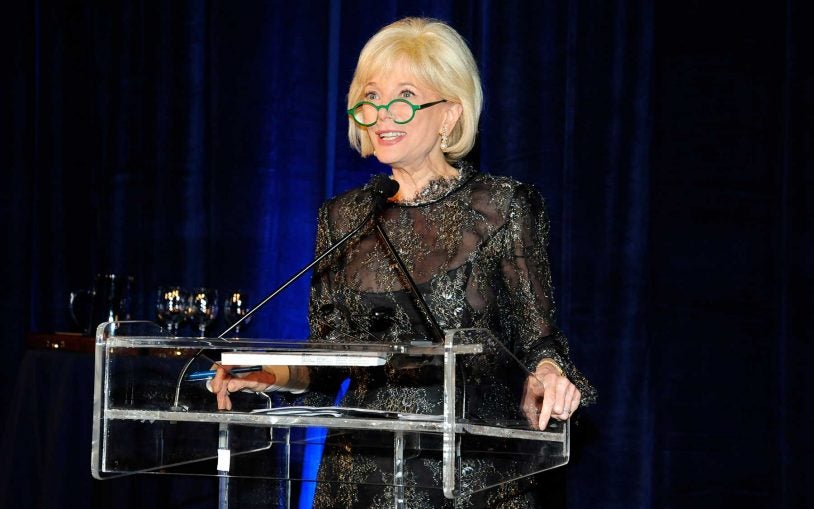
<point x="224" y="383"/>
<point x="548" y="393"/>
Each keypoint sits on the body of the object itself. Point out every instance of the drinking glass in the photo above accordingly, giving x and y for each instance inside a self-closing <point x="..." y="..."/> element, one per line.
<point x="171" y="307"/>
<point x="235" y="307"/>
<point x="203" y="308"/>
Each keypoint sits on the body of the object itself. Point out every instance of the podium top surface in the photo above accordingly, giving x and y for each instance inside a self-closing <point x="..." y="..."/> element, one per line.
<point x="147" y="334"/>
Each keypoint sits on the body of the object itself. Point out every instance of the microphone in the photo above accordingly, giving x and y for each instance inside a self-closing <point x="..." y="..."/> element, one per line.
<point x="382" y="188"/>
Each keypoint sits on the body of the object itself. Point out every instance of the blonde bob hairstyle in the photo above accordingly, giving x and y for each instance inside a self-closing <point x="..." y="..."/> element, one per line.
<point x="438" y="57"/>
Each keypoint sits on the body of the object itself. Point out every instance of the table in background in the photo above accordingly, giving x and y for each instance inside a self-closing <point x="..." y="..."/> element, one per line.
<point x="45" y="456"/>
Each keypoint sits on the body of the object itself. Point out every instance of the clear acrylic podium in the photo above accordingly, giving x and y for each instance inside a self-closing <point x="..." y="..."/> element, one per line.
<point x="150" y="419"/>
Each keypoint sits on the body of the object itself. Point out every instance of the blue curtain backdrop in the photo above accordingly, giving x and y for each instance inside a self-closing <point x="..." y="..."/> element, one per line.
<point x="191" y="143"/>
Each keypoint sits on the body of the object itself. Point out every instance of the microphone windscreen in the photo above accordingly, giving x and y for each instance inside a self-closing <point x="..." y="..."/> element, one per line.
<point x="384" y="187"/>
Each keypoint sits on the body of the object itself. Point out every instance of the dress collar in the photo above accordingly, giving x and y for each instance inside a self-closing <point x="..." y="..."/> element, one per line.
<point x="439" y="188"/>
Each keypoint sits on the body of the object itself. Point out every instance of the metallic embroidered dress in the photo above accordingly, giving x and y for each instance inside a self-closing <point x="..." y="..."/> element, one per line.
<point x="476" y="246"/>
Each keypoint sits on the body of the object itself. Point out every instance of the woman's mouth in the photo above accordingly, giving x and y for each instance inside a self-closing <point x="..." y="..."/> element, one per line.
<point x="390" y="136"/>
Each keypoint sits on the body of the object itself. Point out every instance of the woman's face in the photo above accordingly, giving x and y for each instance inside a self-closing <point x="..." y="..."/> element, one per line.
<point x="416" y="143"/>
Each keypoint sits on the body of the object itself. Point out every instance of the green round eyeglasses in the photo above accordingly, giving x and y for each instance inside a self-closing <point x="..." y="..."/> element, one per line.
<point x="366" y="113"/>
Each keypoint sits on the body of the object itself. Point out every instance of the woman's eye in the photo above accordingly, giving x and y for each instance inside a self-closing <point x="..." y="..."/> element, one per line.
<point x="370" y="96"/>
<point x="407" y="93"/>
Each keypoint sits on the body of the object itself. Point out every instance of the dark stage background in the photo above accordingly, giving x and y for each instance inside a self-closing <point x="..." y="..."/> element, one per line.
<point x="191" y="143"/>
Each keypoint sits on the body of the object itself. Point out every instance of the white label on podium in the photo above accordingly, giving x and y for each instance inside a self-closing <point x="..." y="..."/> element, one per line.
<point x="303" y="359"/>
<point x="224" y="459"/>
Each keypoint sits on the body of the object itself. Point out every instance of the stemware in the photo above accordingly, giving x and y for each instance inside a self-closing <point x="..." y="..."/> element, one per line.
<point x="203" y="308"/>
<point x="171" y="307"/>
<point x="235" y="307"/>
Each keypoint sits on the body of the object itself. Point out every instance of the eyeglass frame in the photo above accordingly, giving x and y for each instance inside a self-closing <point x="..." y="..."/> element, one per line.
<point x="386" y="107"/>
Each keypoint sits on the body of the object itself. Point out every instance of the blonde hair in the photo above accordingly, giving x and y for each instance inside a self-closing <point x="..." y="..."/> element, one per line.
<point x="435" y="54"/>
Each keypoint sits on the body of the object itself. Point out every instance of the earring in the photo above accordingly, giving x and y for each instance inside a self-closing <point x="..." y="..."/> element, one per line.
<point x="444" y="138"/>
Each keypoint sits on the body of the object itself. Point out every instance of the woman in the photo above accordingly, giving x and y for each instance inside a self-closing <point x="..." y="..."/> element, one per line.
<point x="474" y="243"/>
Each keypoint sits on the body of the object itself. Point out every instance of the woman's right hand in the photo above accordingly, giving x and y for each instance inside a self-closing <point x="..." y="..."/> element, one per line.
<point x="224" y="383"/>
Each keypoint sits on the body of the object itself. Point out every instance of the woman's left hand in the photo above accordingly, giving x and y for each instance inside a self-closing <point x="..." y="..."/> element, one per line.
<point x="548" y="394"/>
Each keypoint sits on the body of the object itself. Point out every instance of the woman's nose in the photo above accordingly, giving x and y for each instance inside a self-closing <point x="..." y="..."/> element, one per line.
<point x="384" y="114"/>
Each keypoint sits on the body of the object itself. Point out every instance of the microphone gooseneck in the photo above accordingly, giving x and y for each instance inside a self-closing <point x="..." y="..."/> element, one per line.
<point x="382" y="188"/>
<point x="437" y="331"/>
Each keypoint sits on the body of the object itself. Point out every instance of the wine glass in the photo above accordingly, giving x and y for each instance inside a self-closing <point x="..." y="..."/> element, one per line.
<point x="203" y="308"/>
<point x="235" y="307"/>
<point x="171" y="307"/>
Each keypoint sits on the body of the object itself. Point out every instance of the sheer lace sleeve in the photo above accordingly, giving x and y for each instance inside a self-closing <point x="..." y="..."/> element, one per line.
<point x="526" y="273"/>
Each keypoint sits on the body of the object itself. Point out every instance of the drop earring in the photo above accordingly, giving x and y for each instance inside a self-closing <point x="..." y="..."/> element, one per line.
<point x="444" y="138"/>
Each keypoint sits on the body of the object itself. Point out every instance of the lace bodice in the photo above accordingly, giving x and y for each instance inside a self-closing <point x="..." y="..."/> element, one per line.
<point x="477" y="248"/>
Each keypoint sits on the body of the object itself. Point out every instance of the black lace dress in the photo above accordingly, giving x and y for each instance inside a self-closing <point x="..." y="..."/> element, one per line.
<point x="476" y="245"/>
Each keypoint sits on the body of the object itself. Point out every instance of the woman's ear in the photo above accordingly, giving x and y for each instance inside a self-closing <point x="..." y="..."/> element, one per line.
<point x="452" y="115"/>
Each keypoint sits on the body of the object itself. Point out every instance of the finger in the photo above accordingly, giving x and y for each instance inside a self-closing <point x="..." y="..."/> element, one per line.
<point x="576" y="400"/>
<point x="548" y="404"/>
<point x="224" y="402"/>
<point x="222" y="395"/>
<point x="560" y="389"/>
<point x="217" y="380"/>
<point x="568" y="404"/>
<point x="545" y="416"/>
<point x="249" y="382"/>
<point x="236" y="385"/>
<point x="572" y="400"/>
